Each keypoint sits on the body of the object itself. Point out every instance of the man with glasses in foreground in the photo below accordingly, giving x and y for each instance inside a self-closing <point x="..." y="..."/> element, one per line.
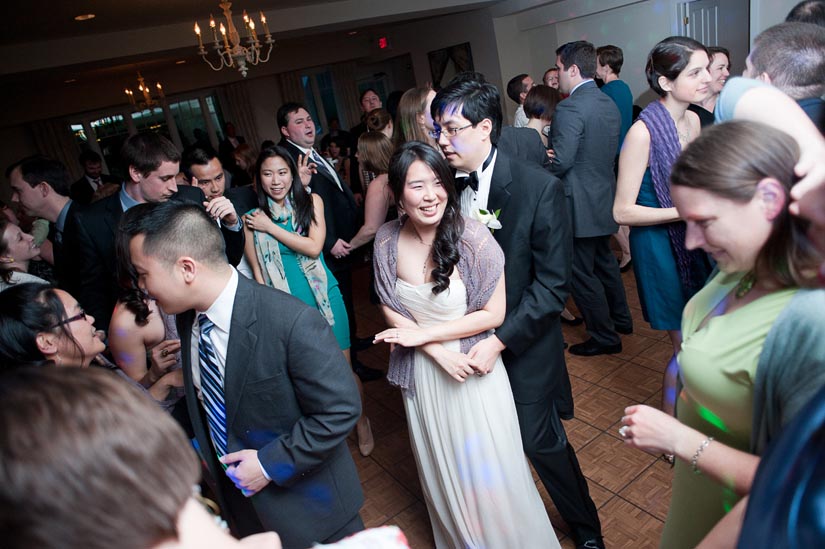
<point x="525" y="206"/>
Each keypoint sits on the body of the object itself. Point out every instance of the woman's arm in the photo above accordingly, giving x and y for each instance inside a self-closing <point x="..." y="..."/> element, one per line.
<point x="251" y="254"/>
<point x="726" y="532"/>
<point x="310" y="245"/>
<point x="654" y="431"/>
<point x="127" y="343"/>
<point x="375" y="211"/>
<point x="457" y="365"/>
<point x="632" y="164"/>
<point x="488" y="317"/>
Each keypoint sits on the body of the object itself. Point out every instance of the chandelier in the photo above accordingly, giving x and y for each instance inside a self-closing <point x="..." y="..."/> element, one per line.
<point x="148" y="102"/>
<point x="232" y="53"/>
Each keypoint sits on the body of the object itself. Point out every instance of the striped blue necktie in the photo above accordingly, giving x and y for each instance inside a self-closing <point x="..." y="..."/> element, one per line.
<point x="212" y="386"/>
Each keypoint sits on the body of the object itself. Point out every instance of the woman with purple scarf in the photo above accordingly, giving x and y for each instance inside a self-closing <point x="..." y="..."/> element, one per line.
<point x="667" y="274"/>
<point x="440" y="278"/>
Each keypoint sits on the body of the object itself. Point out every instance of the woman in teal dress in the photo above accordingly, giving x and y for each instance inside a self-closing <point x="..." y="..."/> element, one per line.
<point x="732" y="187"/>
<point x="667" y="274"/>
<point x="284" y="239"/>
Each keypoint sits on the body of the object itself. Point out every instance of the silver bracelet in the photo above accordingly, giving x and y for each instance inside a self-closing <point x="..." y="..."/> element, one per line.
<point x="694" y="461"/>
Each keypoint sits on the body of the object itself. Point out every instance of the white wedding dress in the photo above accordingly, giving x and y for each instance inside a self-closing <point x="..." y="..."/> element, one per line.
<point x="466" y="440"/>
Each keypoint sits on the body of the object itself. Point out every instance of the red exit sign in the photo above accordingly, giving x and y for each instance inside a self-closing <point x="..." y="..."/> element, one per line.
<point x="383" y="43"/>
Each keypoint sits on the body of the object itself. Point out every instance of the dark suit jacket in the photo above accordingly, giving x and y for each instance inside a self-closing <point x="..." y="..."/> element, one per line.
<point x="584" y="136"/>
<point x="340" y="210"/>
<point x="535" y="236"/>
<point x="290" y="395"/>
<point x="93" y="231"/>
<point x="82" y="192"/>
<point x="523" y="144"/>
<point x="243" y="198"/>
<point x="65" y="267"/>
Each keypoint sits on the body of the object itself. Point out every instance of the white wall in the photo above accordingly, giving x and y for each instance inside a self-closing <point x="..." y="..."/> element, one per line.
<point x="767" y="13"/>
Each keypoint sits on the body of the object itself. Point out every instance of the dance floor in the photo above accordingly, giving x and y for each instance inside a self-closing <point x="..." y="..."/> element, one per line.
<point x="630" y="488"/>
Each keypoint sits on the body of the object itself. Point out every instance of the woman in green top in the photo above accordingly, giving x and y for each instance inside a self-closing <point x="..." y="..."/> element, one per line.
<point x="731" y="186"/>
<point x="284" y="239"/>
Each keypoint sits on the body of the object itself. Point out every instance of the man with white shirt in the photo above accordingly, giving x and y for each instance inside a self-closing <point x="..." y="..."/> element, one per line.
<point x="268" y="391"/>
<point x="585" y="136"/>
<point x="340" y="211"/>
<point x="535" y="235"/>
<point x="93" y="178"/>
<point x="40" y="185"/>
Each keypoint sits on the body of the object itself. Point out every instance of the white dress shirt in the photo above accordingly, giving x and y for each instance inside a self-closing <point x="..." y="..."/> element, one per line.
<point x="220" y="313"/>
<point x="472" y="201"/>
<point x="324" y="165"/>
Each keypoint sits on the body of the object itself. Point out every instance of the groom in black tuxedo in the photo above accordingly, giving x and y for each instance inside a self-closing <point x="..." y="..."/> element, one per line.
<point x="536" y="237"/>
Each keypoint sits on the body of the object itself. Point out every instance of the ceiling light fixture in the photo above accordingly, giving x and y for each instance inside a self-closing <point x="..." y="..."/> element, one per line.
<point x="70" y="80"/>
<point x="181" y="62"/>
<point x="84" y="17"/>
<point x="148" y="102"/>
<point x="233" y="53"/>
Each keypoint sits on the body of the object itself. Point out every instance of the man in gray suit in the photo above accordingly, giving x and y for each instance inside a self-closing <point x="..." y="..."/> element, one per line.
<point x="268" y="390"/>
<point x="584" y="135"/>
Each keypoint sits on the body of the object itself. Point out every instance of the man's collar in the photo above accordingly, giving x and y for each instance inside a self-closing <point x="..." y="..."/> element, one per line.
<point x="126" y="200"/>
<point x="580" y="84"/>
<point x="302" y="149"/>
<point x="220" y="312"/>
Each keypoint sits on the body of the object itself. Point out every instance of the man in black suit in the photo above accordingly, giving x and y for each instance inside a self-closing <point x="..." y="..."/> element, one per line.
<point x="153" y="163"/>
<point x="93" y="178"/>
<point x="41" y="186"/>
<point x="202" y="168"/>
<point x="267" y="387"/>
<point x="535" y="237"/>
<point x="585" y="135"/>
<point x="340" y="211"/>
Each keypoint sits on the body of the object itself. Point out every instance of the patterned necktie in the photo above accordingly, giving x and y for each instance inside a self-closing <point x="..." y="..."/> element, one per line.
<point x="323" y="165"/>
<point x="212" y="386"/>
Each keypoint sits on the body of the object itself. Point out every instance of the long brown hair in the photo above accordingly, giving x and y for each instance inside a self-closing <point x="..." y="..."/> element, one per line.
<point x="729" y="160"/>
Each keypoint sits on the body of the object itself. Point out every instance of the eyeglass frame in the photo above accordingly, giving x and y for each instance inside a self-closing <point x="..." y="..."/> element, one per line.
<point x="450" y="132"/>
<point x="80" y="316"/>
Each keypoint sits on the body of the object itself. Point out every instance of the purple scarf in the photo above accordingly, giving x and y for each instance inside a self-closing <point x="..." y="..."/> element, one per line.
<point x="664" y="150"/>
<point x="480" y="265"/>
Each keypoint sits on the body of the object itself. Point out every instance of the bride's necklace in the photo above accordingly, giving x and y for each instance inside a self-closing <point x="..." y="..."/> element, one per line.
<point x="429" y="247"/>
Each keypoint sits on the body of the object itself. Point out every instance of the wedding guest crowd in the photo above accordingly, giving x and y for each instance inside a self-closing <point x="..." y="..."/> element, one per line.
<point x="168" y="333"/>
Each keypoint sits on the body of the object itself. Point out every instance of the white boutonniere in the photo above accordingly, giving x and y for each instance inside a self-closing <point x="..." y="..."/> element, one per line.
<point x="489" y="219"/>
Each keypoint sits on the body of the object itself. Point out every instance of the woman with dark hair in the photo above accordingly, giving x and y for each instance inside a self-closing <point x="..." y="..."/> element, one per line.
<point x="539" y="106"/>
<point x="379" y="120"/>
<point x="41" y="325"/>
<point x="284" y="239"/>
<point x="244" y="157"/>
<point x="667" y="274"/>
<point x="414" y="121"/>
<point x="17" y="249"/>
<point x="719" y="69"/>
<point x="336" y="156"/>
<point x="440" y="278"/>
<point x="745" y="373"/>
<point x="142" y="338"/>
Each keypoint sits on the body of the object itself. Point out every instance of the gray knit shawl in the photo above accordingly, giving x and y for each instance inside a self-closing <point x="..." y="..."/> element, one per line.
<point x="480" y="265"/>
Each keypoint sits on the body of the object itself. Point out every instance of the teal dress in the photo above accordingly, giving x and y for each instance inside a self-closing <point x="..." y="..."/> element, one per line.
<point x="661" y="292"/>
<point x="299" y="287"/>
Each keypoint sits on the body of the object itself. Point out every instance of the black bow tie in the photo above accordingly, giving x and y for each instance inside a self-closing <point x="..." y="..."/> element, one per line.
<point x="462" y="183"/>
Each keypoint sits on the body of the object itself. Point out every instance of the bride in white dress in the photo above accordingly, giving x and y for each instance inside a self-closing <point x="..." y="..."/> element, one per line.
<point x="441" y="282"/>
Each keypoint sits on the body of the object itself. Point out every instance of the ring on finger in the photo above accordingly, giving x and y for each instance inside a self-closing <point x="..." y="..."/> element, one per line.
<point x="623" y="431"/>
<point x="164" y="353"/>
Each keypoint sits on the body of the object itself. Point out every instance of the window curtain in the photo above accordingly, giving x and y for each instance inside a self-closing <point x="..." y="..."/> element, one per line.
<point x="54" y="139"/>
<point x="240" y="112"/>
<point x="291" y="87"/>
<point x="346" y="91"/>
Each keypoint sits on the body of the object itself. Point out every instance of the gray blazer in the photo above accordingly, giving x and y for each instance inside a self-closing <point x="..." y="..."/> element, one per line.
<point x="523" y="144"/>
<point x="291" y="396"/>
<point x="584" y="136"/>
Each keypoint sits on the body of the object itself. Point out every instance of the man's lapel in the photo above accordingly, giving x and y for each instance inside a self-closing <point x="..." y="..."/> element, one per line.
<point x="239" y="351"/>
<point x="184" y="324"/>
<point x="114" y="211"/>
<point x="499" y="192"/>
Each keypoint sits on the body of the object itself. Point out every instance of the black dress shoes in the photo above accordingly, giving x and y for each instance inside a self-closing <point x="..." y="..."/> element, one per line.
<point x="624" y="330"/>
<point x="365" y="373"/>
<point x="575" y="321"/>
<point x="592" y="348"/>
<point x="595" y="543"/>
